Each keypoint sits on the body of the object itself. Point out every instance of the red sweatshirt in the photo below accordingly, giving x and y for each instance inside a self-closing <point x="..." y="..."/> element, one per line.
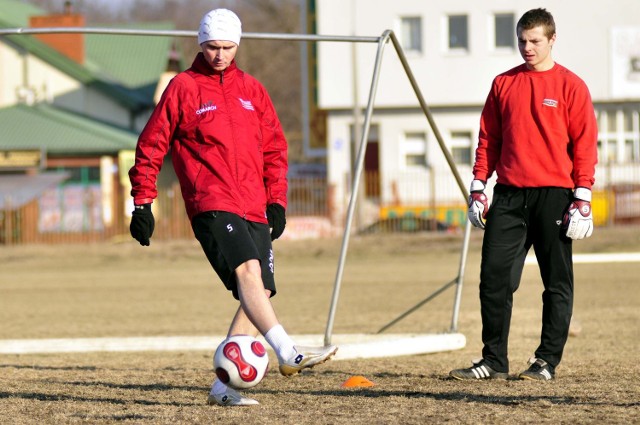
<point x="538" y="129"/>
<point x="227" y="145"/>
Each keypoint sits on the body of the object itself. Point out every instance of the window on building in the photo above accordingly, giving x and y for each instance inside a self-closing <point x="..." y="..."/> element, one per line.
<point x="461" y="147"/>
<point x="504" y="29"/>
<point x="458" y="32"/>
<point x="81" y="175"/>
<point x="629" y="116"/>
<point x="411" y="34"/>
<point x="414" y="150"/>
<point x="611" y="154"/>
<point x="631" y="125"/>
<point x="600" y="151"/>
<point x="619" y="135"/>
<point x="631" y="150"/>
<point x="612" y="121"/>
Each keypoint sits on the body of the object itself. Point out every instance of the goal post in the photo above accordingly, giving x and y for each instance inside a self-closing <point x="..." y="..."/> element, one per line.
<point x="427" y="343"/>
<point x="450" y="340"/>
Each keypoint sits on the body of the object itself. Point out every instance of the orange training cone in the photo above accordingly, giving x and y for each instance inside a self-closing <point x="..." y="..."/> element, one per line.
<point x="357" y="381"/>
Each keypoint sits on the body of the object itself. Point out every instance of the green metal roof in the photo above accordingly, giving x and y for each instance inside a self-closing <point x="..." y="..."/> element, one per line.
<point x="124" y="67"/>
<point x="17" y="12"/>
<point x="128" y="98"/>
<point x="60" y="132"/>
<point x="135" y="61"/>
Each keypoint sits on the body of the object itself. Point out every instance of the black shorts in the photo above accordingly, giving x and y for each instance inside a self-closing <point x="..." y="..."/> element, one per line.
<point x="228" y="240"/>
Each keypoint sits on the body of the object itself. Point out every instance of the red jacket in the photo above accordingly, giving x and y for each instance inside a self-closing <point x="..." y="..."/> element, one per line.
<point x="227" y="145"/>
<point x="538" y="129"/>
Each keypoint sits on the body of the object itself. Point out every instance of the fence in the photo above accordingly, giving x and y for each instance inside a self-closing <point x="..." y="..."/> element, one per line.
<point x="78" y="214"/>
<point x="75" y="214"/>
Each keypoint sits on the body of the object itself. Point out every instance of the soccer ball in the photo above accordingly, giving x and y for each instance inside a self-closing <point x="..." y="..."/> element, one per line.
<point x="240" y="361"/>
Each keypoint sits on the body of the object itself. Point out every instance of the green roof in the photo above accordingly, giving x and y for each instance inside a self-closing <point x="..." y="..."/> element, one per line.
<point x="130" y="99"/>
<point x="135" y="61"/>
<point x="124" y="67"/>
<point x="60" y="132"/>
<point x="16" y="13"/>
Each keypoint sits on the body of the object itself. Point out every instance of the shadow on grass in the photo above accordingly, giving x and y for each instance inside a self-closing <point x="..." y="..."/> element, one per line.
<point x="138" y="387"/>
<point x="510" y="400"/>
<point x="36" y="367"/>
<point x="74" y="398"/>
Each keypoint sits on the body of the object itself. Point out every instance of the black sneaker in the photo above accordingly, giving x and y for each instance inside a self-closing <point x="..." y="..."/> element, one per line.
<point x="479" y="370"/>
<point x="538" y="371"/>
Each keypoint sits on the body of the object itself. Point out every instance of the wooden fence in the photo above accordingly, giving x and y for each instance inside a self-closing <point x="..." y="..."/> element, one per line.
<point x="87" y="220"/>
<point x="83" y="217"/>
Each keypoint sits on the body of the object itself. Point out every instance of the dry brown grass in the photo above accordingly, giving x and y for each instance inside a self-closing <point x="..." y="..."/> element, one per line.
<point x="168" y="289"/>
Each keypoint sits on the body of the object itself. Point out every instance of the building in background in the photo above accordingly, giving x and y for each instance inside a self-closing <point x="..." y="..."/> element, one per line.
<point x="72" y="105"/>
<point x="455" y="49"/>
<point x="71" y="108"/>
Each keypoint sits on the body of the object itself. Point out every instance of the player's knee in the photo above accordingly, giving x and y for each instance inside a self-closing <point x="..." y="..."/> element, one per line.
<point x="248" y="268"/>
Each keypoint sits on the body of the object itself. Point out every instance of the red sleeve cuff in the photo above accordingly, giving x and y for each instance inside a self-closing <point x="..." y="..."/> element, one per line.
<point x="142" y="201"/>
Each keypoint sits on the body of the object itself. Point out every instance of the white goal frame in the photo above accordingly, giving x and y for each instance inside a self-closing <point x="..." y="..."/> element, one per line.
<point x="357" y="346"/>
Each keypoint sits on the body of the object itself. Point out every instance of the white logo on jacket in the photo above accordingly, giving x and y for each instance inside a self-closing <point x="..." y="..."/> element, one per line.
<point x="550" y="102"/>
<point x="209" y="106"/>
<point x="246" y="104"/>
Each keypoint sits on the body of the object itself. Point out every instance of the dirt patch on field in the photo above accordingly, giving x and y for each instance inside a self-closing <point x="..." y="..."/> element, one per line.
<point x="124" y="290"/>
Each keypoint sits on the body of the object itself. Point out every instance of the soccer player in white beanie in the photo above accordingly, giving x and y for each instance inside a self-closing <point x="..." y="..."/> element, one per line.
<point x="220" y="24"/>
<point x="230" y="155"/>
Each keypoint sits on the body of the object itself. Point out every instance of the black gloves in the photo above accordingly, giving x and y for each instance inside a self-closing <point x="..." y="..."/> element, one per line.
<point x="142" y="224"/>
<point x="277" y="220"/>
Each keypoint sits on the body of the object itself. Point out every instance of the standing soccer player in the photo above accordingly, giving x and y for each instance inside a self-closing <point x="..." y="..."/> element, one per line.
<point x="538" y="132"/>
<point x="230" y="155"/>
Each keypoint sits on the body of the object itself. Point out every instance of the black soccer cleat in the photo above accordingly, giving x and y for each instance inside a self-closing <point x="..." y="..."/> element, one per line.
<point x="538" y="371"/>
<point x="479" y="370"/>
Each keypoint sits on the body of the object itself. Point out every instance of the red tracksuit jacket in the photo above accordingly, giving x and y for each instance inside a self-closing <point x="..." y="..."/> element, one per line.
<point x="227" y="145"/>
<point x="538" y="129"/>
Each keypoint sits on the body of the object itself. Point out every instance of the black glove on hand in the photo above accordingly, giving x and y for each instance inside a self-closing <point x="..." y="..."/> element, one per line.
<point x="142" y="224"/>
<point x="277" y="220"/>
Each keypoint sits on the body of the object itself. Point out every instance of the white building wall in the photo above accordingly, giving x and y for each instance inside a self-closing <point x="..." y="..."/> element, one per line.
<point x="26" y="78"/>
<point x="338" y="173"/>
<point x="9" y="78"/>
<point x="454" y="84"/>
<point x="49" y="82"/>
<point x="584" y="29"/>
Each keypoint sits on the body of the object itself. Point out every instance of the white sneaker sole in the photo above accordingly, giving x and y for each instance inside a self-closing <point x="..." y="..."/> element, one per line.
<point x="289" y="370"/>
<point x="225" y="400"/>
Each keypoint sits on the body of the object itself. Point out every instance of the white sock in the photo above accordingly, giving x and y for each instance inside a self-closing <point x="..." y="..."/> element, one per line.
<point x="218" y="387"/>
<point x="281" y="342"/>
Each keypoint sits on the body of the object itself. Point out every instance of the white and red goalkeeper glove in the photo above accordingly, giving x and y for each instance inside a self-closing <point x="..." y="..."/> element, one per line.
<point x="478" y="206"/>
<point x="578" y="219"/>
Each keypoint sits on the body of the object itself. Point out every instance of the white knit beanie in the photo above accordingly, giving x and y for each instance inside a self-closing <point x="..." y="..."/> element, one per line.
<point x="220" y="24"/>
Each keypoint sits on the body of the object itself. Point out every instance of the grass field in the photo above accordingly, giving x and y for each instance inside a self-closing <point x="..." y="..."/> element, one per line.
<point x="168" y="289"/>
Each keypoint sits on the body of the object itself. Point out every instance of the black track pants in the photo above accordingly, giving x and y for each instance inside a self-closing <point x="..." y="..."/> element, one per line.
<point x="517" y="219"/>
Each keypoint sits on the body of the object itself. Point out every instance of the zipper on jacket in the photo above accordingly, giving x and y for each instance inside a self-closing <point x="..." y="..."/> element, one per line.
<point x="244" y="210"/>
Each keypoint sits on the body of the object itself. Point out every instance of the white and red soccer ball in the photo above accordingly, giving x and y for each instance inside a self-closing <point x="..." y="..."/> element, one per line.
<point x="241" y="361"/>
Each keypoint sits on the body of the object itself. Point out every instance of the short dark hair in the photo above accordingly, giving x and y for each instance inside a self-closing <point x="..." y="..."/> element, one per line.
<point x="535" y="18"/>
